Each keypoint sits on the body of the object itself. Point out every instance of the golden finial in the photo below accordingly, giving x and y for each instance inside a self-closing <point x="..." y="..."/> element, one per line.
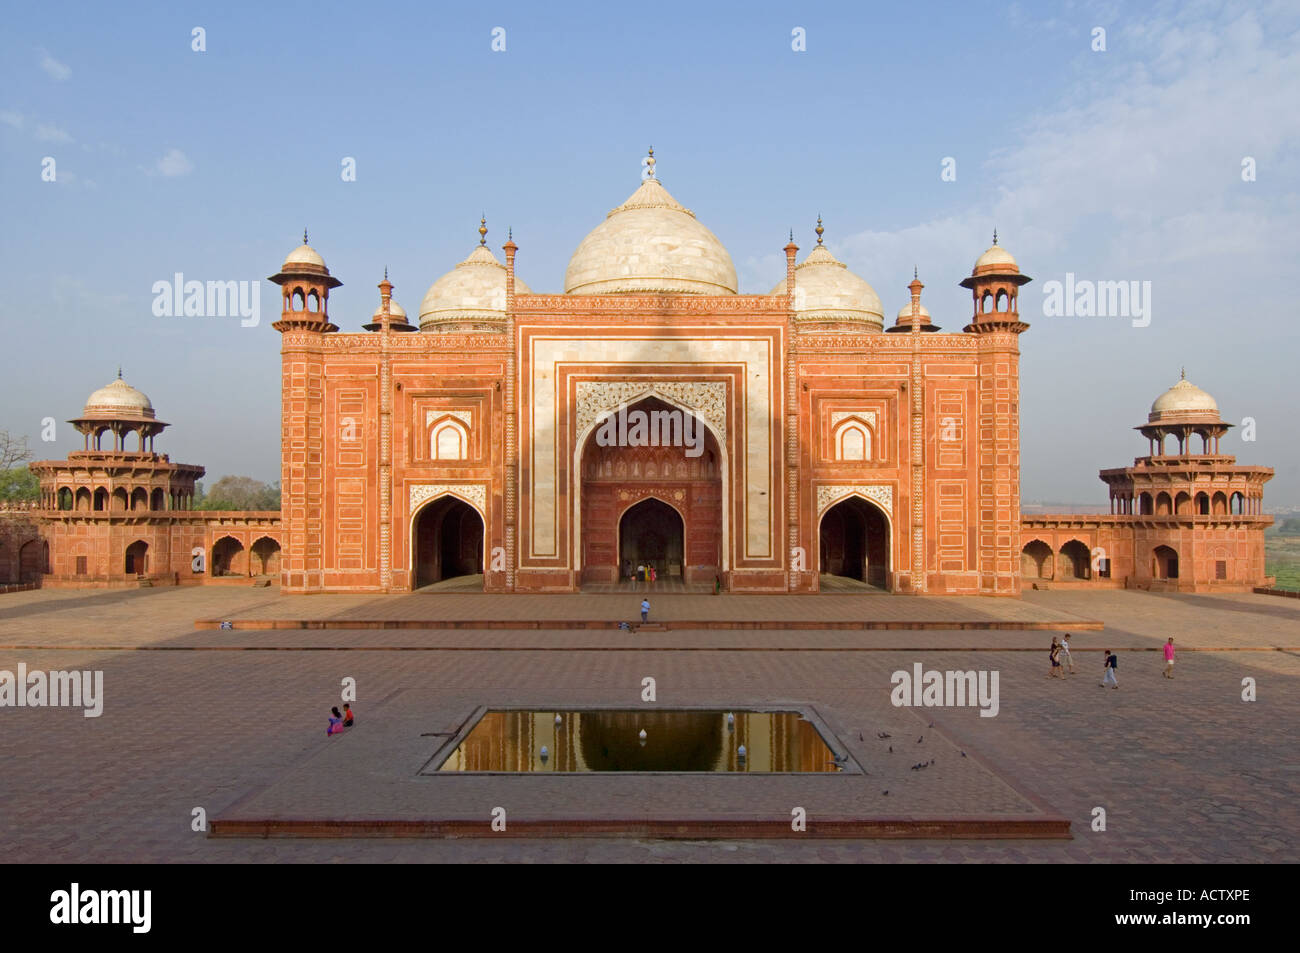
<point x="650" y="164"/>
<point x="1184" y="375"/>
<point x="482" y="229"/>
<point x="819" y="230"/>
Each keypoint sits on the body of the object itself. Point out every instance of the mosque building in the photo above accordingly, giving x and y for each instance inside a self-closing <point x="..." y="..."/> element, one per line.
<point x="650" y="415"/>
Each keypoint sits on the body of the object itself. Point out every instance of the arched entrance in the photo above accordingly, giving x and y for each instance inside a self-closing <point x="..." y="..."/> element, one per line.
<point x="446" y="541"/>
<point x="853" y="543"/>
<point x="1164" y="563"/>
<point x="1076" y="561"/>
<point x="651" y="533"/>
<point x="1036" y="560"/>
<point x="137" y="558"/>
<point x="265" y="557"/>
<point x="651" y="448"/>
<point x="228" y="557"/>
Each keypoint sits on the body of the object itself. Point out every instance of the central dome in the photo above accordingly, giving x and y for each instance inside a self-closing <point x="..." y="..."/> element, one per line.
<point x="651" y="243"/>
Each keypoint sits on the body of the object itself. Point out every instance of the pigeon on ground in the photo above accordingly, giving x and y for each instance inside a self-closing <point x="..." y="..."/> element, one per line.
<point x="963" y="754"/>
<point x="920" y="739"/>
<point x="886" y="793"/>
<point x="883" y="734"/>
<point x="891" y="749"/>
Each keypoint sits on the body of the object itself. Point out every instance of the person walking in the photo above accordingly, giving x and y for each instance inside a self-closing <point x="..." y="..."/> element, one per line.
<point x="1110" y="663"/>
<point x="654" y="575"/>
<point x="645" y="609"/>
<point x="1066" y="658"/>
<point x="1169" y="658"/>
<point x="1054" y="655"/>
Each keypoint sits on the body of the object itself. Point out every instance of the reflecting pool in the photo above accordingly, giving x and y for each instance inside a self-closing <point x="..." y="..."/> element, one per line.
<point x="642" y="740"/>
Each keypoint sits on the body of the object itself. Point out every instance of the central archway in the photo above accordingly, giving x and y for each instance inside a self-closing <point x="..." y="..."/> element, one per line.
<point x="446" y="541"/>
<point x="651" y="448"/>
<point x="651" y="533"/>
<point x="853" y="543"/>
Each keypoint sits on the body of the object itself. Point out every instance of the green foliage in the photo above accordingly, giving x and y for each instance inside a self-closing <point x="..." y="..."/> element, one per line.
<point x="19" y="484"/>
<point x="238" y="493"/>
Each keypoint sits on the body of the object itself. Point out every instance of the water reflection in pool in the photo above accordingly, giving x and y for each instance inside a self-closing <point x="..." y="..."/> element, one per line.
<point x="577" y="741"/>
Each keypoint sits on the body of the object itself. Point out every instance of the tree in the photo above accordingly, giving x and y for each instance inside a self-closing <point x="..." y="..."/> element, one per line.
<point x="19" y="484"/>
<point x="13" y="450"/>
<point x="240" y="493"/>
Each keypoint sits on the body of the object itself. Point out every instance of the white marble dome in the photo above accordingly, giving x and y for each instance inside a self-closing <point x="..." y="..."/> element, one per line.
<point x="304" y="254"/>
<point x="1183" y="400"/>
<point x="118" y="399"/>
<point x="473" y="291"/>
<point x="825" y="290"/>
<point x="395" y="310"/>
<point x="996" y="260"/>
<point x="650" y="243"/>
<point x="905" y="312"/>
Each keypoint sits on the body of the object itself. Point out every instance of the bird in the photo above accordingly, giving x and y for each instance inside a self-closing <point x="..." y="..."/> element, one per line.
<point x="963" y="754"/>
<point x="883" y="734"/>
<point x="891" y="749"/>
<point x="860" y="736"/>
<point x="920" y="739"/>
<point x="931" y="724"/>
<point x="886" y="793"/>
<point x="932" y="760"/>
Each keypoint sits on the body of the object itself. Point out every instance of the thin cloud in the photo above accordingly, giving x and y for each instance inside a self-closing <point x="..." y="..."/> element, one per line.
<point x="174" y="163"/>
<point x="11" y="118"/>
<point x="53" y="68"/>
<point x="48" y="132"/>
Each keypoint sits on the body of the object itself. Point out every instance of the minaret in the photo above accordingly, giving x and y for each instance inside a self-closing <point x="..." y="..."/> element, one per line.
<point x="304" y="430"/>
<point x="995" y="284"/>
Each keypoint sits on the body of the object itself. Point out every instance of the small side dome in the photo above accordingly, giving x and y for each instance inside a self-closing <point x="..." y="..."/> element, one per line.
<point x="903" y="322"/>
<point x="996" y="260"/>
<point x="117" y="400"/>
<point x="472" y="296"/>
<point x="394" y="309"/>
<point x="1184" y="401"/>
<point x="827" y="295"/>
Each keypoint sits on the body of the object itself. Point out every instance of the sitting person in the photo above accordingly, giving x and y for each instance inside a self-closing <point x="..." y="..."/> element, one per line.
<point x="348" y="717"/>
<point x="336" y="723"/>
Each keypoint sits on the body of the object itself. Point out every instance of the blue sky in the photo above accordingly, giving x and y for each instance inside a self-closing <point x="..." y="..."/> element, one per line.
<point x="1115" y="165"/>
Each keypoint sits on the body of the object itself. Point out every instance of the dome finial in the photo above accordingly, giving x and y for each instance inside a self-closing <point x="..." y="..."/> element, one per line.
<point x="510" y="233"/>
<point x="1184" y="374"/>
<point x="304" y="234"/>
<point x="916" y="276"/>
<point x="385" y="272"/>
<point x="995" y="236"/>
<point x="119" y="372"/>
<point x="649" y="164"/>
<point x="819" y="229"/>
<point x="482" y="229"/>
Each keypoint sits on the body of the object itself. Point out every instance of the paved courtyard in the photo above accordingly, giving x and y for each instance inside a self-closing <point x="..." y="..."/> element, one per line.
<point x="1185" y="769"/>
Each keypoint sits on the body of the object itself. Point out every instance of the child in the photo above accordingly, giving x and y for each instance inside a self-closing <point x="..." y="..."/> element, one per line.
<point x="348" y="717"/>
<point x="645" y="609"/>
<point x="336" y="722"/>
<point x="1169" y="658"/>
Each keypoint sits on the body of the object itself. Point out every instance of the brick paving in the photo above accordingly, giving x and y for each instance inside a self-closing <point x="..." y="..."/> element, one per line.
<point x="1185" y="769"/>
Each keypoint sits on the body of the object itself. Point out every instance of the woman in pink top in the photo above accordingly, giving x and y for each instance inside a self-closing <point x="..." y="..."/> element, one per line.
<point x="1169" y="658"/>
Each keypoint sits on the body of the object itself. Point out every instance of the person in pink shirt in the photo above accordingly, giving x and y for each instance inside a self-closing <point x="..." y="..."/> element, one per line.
<point x="1169" y="658"/>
